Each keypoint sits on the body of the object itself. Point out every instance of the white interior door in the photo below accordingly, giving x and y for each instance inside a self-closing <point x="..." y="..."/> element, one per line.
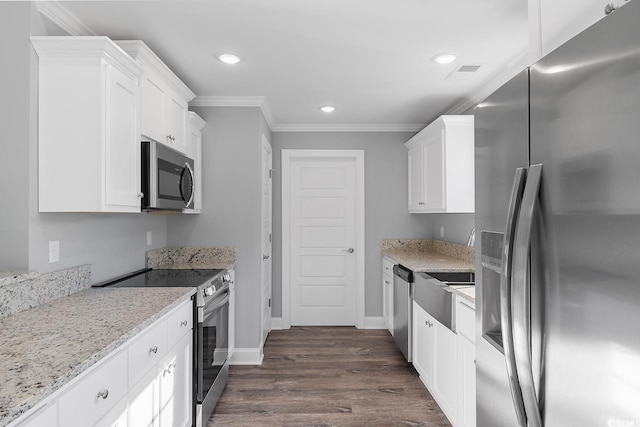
<point x="323" y="243"/>
<point x="266" y="236"/>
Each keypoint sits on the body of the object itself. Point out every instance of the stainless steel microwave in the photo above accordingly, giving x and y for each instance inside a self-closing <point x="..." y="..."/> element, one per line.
<point x="167" y="178"/>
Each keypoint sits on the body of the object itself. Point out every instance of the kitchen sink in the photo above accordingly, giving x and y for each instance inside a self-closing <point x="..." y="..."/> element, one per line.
<point x="431" y="291"/>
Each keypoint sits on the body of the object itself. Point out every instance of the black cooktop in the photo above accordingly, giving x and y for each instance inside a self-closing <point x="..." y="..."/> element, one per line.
<point x="163" y="279"/>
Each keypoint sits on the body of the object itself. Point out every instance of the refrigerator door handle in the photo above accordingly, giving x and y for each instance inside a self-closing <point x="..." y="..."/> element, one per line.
<point x="521" y="297"/>
<point x="505" y="293"/>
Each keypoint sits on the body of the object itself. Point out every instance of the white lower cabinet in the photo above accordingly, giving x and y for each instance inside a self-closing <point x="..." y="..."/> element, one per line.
<point x="387" y="293"/>
<point x="93" y="397"/>
<point x="445" y="374"/>
<point x="175" y="385"/>
<point x="465" y="324"/>
<point x="146" y="383"/>
<point x="445" y="361"/>
<point x="423" y="344"/>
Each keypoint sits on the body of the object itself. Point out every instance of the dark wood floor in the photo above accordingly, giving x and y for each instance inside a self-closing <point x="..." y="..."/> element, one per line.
<point x="327" y="376"/>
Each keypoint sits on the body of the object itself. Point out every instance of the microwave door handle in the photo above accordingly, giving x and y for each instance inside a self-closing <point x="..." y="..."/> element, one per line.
<point x="187" y="169"/>
<point x="506" y="280"/>
<point x="521" y="296"/>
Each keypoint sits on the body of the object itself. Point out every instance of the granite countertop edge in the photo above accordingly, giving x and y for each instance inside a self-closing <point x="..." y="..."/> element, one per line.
<point x="457" y="291"/>
<point x="74" y="371"/>
<point x="454" y="265"/>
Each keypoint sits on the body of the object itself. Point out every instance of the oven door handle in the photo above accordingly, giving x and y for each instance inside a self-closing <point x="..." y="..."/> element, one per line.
<point x="216" y="304"/>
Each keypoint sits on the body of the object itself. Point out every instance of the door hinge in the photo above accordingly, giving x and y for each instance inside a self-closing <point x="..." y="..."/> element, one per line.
<point x="270" y="173"/>
<point x="269" y="237"/>
<point x="269" y="302"/>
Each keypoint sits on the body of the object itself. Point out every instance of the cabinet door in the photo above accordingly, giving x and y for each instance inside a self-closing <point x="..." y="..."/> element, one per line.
<point x="152" y="110"/>
<point x="416" y="178"/>
<point x="176" y="381"/>
<point x="466" y="383"/>
<point x="144" y="401"/>
<point x="387" y="304"/>
<point x="445" y="380"/>
<point x="423" y="344"/>
<point x="434" y="173"/>
<point x="122" y="145"/>
<point x="176" y="123"/>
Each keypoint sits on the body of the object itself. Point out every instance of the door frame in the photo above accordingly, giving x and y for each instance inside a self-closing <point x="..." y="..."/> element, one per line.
<point x="287" y="156"/>
<point x="266" y="145"/>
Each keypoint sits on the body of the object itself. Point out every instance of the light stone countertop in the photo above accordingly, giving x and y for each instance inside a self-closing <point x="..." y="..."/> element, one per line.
<point x="429" y="255"/>
<point x="45" y="347"/>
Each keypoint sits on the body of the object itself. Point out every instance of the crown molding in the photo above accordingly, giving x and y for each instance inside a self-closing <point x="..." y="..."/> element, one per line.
<point x="354" y="127"/>
<point x="261" y="102"/>
<point x="237" y="101"/>
<point x="520" y="62"/>
<point x="66" y="20"/>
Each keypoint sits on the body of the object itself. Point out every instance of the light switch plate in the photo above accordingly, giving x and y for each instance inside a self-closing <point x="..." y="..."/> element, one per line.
<point x="54" y="251"/>
<point x="441" y="231"/>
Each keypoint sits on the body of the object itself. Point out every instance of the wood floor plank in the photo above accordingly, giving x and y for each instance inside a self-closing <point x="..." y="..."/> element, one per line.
<point x="327" y="376"/>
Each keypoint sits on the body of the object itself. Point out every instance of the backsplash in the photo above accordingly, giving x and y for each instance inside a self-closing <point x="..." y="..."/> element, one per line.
<point x="19" y="292"/>
<point x="191" y="257"/>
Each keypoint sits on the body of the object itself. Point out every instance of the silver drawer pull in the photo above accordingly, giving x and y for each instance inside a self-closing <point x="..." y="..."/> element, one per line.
<point x="184" y="323"/>
<point x="154" y="349"/>
<point x="103" y="394"/>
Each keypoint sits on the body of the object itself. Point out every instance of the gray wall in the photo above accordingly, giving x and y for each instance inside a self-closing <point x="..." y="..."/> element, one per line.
<point x="14" y="144"/>
<point x="386" y="214"/>
<point x="112" y="243"/>
<point x="231" y="205"/>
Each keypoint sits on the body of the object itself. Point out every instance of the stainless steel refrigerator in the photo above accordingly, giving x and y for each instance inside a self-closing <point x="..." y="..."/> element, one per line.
<point x="558" y="259"/>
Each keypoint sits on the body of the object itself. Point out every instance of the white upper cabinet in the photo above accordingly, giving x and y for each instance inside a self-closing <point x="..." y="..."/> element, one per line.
<point x="164" y="100"/>
<point x="194" y="151"/>
<point x="88" y="126"/>
<point x="441" y="166"/>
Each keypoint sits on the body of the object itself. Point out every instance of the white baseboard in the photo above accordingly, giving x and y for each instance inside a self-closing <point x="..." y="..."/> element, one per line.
<point x="374" y="323"/>
<point x="247" y="356"/>
<point x="276" y="324"/>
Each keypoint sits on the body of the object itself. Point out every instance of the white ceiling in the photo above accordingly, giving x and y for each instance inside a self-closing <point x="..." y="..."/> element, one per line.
<point x="371" y="59"/>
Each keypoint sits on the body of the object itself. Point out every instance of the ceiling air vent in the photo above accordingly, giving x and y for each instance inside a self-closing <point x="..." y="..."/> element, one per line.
<point x="463" y="72"/>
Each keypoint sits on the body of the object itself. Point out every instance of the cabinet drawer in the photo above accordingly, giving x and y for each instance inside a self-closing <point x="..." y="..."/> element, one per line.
<point x="147" y="350"/>
<point x="82" y="406"/>
<point x="180" y="322"/>
<point x="466" y="321"/>
<point x="387" y="267"/>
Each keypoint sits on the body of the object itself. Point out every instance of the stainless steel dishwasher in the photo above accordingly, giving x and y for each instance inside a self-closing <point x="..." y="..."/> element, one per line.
<point x="402" y="309"/>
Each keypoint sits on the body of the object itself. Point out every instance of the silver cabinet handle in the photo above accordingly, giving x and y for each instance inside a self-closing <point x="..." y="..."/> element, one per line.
<point x="505" y="293"/>
<point x="103" y="394"/>
<point x="521" y="296"/>
<point x="265" y="257"/>
<point x="349" y="251"/>
<point x="154" y="349"/>
<point x="184" y="323"/>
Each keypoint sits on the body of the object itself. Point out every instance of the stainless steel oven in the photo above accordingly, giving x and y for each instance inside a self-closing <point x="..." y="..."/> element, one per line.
<point x="212" y="364"/>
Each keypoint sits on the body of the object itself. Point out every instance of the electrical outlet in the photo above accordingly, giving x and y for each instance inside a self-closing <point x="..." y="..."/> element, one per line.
<point x="54" y="251"/>
<point x="149" y="238"/>
<point x="441" y="231"/>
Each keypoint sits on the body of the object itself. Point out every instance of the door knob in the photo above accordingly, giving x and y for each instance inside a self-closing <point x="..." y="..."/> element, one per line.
<point x="349" y="251"/>
<point x="265" y="257"/>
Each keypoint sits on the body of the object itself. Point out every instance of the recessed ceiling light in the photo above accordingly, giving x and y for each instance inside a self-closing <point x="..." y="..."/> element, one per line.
<point x="328" y="109"/>
<point x="444" y="58"/>
<point x="229" y="58"/>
